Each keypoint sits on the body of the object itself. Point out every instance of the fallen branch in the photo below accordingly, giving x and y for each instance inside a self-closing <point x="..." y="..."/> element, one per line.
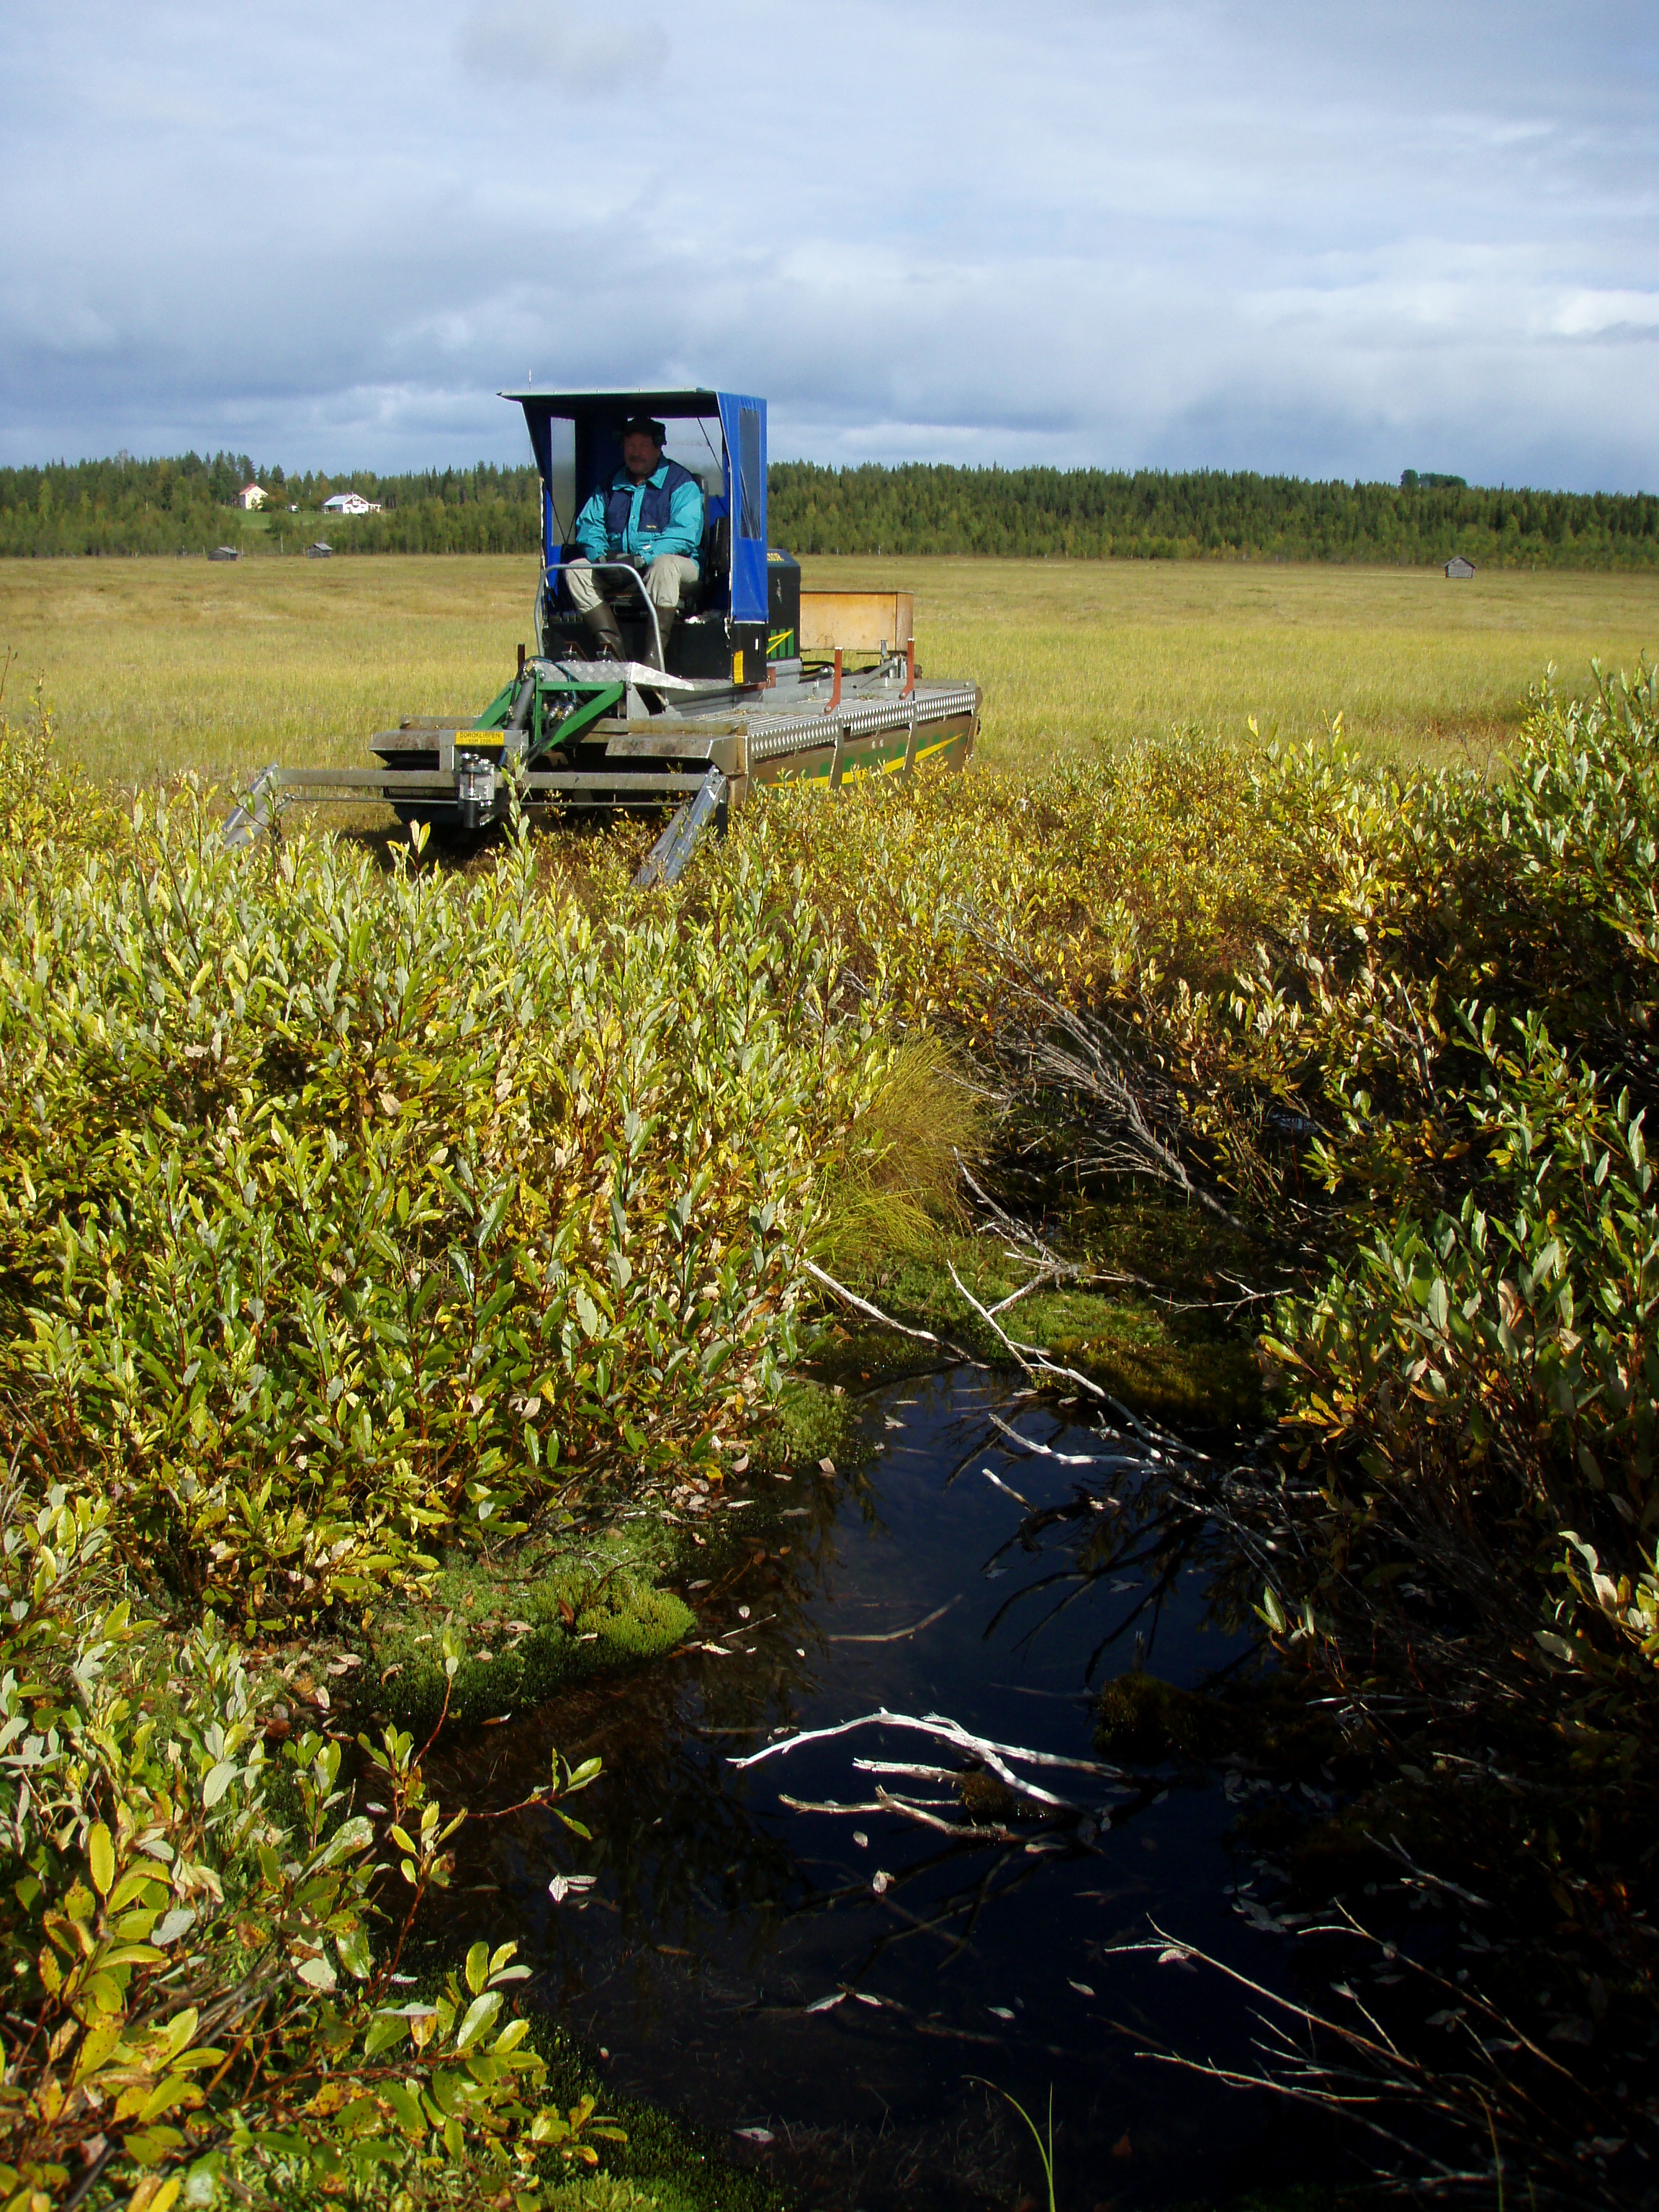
<point x="897" y="1635"/>
<point x="1008" y="1490"/>
<point x="1043" y="1275"/>
<point x="864" y="1306"/>
<point x="1044" y="1365"/>
<point x="1066" y="1459"/>
<point x="994" y="1755"/>
<point x="963" y="1831"/>
<point x="924" y="1816"/>
<point x="1025" y="1354"/>
<point x="825" y="1805"/>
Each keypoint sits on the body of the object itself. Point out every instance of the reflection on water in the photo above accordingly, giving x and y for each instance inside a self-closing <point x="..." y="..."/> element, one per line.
<point x="835" y="1987"/>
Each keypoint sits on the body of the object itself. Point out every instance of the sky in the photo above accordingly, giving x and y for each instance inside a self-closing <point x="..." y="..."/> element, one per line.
<point x="1333" y="241"/>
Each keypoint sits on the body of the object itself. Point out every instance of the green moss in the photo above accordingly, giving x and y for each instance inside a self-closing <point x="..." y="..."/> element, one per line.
<point x="811" y="1420"/>
<point x="534" y="1621"/>
<point x="601" y="2193"/>
<point x="1151" y="1360"/>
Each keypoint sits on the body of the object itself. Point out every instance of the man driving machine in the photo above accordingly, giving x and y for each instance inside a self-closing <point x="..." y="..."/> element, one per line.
<point x="649" y="515"/>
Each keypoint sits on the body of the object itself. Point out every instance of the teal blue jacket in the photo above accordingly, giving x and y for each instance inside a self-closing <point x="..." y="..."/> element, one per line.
<point x="661" y="514"/>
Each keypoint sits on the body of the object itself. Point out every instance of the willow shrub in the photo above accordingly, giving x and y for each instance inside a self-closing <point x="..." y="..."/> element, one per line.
<point x="201" y="1965"/>
<point x="342" y="1211"/>
<point x="1467" y="1007"/>
<point x="1510" y="1345"/>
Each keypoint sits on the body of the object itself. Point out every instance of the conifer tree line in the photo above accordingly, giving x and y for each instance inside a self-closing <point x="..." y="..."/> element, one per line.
<point x="1168" y="515"/>
<point x="185" y="505"/>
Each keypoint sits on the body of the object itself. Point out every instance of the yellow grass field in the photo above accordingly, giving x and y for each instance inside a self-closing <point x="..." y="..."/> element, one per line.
<point x="158" y="666"/>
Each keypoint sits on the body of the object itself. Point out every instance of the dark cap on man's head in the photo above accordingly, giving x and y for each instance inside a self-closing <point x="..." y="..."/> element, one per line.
<point x="653" y="429"/>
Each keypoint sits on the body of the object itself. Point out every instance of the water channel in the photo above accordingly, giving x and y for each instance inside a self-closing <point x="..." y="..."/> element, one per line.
<point x="833" y="1989"/>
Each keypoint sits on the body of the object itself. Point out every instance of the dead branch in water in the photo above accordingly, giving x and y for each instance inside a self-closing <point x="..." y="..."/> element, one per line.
<point x="1556" y="2125"/>
<point x="864" y="1306"/>
<point x="1066" y="1459"/>
<point x="897" y="1635"/>
<point x="934" y="1724"/>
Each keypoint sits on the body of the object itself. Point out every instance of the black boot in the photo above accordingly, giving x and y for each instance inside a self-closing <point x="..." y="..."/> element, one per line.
<point x="666" y="617"/>
<point x="601" y="622"/>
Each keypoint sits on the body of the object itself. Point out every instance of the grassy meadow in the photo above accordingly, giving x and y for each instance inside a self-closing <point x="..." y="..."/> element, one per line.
<point x="158" y="665"/>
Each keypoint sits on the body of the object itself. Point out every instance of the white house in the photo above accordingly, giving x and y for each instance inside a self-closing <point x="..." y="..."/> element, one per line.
<point x="1459" y="566"/>
<point x="350" y="502"/>
<point x="250" y="495"/>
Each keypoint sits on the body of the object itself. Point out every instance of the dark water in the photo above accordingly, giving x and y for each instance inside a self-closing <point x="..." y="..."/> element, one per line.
<point x="720" y="1917"/>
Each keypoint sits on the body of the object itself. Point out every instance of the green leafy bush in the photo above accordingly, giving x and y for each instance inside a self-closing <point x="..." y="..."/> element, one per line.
<point x="341" y="1211"/>
<point x="1478" y="1056"/>
<point x="195" y="1985"/>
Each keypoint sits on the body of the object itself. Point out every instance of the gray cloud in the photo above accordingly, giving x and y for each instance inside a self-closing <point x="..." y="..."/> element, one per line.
<point x="547" y="43"/>
<point x="1332" y="241"/>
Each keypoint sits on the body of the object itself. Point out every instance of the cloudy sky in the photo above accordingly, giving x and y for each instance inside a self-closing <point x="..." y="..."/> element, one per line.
<point x="1339" y="238"/>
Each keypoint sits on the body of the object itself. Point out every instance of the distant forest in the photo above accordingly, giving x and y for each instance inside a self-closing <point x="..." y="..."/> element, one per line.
<point x="187" y="506"/>
<point x="1197" y="513"/>
<point x="184" y="506"/>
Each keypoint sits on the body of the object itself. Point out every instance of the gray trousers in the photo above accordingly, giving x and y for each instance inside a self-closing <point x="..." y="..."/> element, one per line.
<point x="665" y="580"/>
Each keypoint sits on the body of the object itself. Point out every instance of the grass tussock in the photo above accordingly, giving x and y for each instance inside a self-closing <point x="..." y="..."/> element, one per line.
<point x="891" y="1200"/>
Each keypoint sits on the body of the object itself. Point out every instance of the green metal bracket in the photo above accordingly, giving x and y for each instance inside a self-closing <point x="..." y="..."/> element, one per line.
<point x="546" y="732"/>
<point x="598" y="699"/>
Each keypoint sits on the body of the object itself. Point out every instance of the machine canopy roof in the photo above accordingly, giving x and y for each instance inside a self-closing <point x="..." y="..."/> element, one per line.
<point x="573" y="404"/>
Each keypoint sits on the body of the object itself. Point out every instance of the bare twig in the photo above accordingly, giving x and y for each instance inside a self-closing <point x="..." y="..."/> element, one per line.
<point x="1374" y="2070"/>
<point x="864" y="1306"/>
<point x="1086" y="1060"/>
<point x="897" y="1635"/>
<point x="1066" y="1459"/>
<point x="1395" y="1848"/>
<point x="995" y="1755"/>
<point x="1008" y="1488"/>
